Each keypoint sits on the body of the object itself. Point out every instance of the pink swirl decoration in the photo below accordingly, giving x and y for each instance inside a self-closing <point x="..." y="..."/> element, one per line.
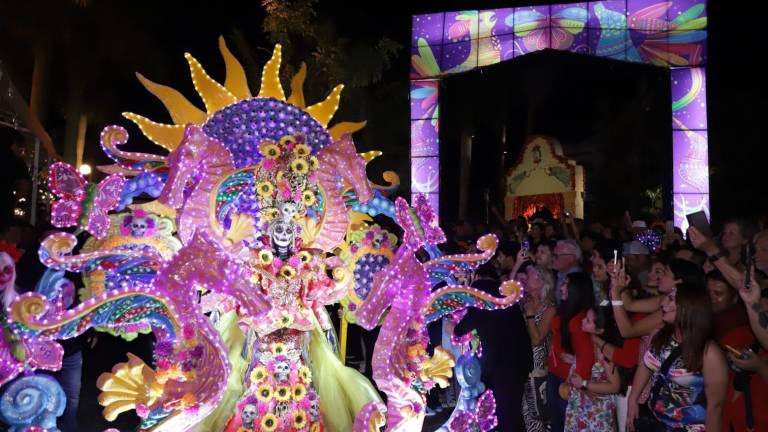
<point x="339" y="160"/>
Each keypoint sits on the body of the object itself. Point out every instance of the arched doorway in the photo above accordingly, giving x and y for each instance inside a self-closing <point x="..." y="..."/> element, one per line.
<point x="670" y="34"/>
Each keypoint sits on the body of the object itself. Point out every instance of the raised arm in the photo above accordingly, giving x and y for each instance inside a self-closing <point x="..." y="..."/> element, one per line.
<point x="715" y="370"/>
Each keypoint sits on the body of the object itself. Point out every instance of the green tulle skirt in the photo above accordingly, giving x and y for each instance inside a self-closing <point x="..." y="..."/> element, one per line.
<point x="343" y="391"/>
<point x="233" y="339"/>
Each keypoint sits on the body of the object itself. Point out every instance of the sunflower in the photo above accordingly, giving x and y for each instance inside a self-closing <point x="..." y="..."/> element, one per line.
<point x="308" y="198"/>
<point x="264" y="393"/>
<point x="300" y="166"/>
<point x="313" y="163"/>
<point x="259" y="374"/>
<point x="305" y="257"/>
<point x="269" y="423"/>
<point x="301" y="150"/>
<point x="269" y="150"/>
<point x="266" y="257"/>
<point x="287" y="140"/>
<point x="305" y="374"/>
<point x="280" y="175"/>
<point x="265" y="188"/>
<point x="287" y="272"/>
<point x="299" y="391"/>
<point x="315" y="428"/>
<point x="282" y="393"/>
<point x="270" y="213"/>
<point x="299" y="419"/>
<point x="279" y="348"/>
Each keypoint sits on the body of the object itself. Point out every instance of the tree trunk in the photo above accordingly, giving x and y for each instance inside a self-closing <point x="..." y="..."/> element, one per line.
<point x="39" y="83"/>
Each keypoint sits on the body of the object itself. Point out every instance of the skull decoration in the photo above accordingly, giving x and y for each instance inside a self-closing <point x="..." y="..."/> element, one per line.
<point x="137" y="225"/>
<point x="288" y="210"/>
<point x="378" y="239"/>
<point x="249" y="416"/>
<point x="297" y="182"/>
<point x="281" y="410"/>
<point x="314" y="410"/>
<point x="281" y="371"/>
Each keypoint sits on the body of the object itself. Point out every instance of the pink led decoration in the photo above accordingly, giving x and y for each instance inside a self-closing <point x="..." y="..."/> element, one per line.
<point x="81" y="203"/>
<point x="260" y="191"/>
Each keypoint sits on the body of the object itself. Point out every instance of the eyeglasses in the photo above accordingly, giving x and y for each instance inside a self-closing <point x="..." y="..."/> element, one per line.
<point x="555" y="255"/>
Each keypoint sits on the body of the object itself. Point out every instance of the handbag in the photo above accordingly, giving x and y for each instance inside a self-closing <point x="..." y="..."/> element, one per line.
<point x="646" y="420"/>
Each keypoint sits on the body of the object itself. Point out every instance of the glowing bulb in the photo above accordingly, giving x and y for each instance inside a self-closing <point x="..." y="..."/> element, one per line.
<point x="85" y="169"/>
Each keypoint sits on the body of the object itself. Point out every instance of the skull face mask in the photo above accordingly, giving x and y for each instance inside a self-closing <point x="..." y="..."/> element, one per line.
<point x="282" y="234"/>
<point x="249" y="416"/>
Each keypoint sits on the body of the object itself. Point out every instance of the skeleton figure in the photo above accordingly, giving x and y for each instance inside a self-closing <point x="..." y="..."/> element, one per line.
<point x="249" y="416"/>
<point x="282" y="370"/>
<point x="283" y="235"/>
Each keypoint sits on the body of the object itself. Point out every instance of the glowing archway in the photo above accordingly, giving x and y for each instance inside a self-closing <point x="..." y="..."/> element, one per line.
<point x="670" y="34"/>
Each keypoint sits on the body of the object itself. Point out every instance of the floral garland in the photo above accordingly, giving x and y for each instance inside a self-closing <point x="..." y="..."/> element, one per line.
<point x="272" y="389"/>
<point x="286" y="174"/>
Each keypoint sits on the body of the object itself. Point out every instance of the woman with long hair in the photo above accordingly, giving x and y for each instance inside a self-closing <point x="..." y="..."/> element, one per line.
<point x="539" y="311"/>
<point x="676" y="272"/>
<point x="571" y="345"/>
<point x="687" y="369"/>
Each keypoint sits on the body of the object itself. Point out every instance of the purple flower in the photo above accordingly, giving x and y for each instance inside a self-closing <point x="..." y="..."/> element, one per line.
<point x="164" y="348"/>
<point x="462" y="422"/>
<point x="197" y="352"/>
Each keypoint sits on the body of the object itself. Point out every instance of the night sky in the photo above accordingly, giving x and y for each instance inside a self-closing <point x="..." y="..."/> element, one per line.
<point x="124" y="37"/>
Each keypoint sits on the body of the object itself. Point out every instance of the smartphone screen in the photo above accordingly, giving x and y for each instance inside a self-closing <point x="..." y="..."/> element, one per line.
<point x="699" y="221"/>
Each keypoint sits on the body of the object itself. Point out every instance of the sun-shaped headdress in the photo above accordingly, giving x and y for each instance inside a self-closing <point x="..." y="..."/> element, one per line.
<point x="238" y="119"/>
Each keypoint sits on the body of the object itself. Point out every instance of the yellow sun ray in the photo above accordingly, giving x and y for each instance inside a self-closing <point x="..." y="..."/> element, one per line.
<point x="297" y="88"/>
<point x="324" y="111"/>
<point x="214" y="95"/>
<point x="270" y="77"/>
<point x="181" y="110"/>
<point x="165" y="135"/>
<point x="235" y="82"/>
<point x="339" y="129"/>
